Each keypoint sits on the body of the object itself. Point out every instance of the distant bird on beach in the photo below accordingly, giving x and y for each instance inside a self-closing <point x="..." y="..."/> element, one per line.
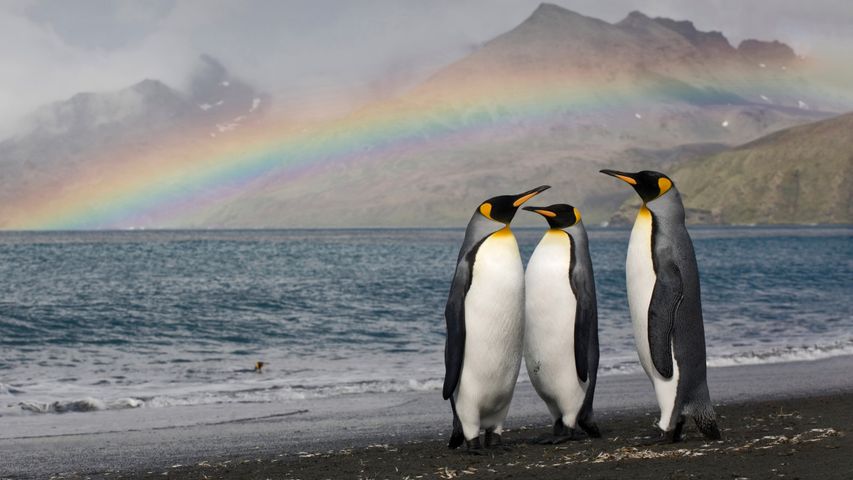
<point x="259" y="367"/>
<point x="561" y="323"/>
<point x="666" y="310"/>
<point x="485" y="323"/>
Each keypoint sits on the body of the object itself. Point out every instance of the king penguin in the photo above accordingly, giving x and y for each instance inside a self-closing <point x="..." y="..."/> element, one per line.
<point x="485" y="323"/>
<point x="666" y="310"/>
<point x="561" y="323"/>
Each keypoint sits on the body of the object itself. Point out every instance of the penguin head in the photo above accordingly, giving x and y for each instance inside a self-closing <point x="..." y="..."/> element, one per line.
<point x="502" y="208"/>
<point x="559" y="215"/>
<point x="648" y="184"/>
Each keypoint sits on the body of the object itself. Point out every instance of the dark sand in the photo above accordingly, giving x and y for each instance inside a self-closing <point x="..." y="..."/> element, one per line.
<point x="795" y="438"/>
<point x="804" y="438"/>
<point x="792" y="420"/>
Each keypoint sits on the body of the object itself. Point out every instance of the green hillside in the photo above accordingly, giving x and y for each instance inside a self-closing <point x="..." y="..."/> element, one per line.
<point x="802" y="174"/>
<point x="799" y="175"/>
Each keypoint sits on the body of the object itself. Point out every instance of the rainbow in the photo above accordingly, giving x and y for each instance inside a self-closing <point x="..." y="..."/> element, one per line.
<point x="172" y="182"/>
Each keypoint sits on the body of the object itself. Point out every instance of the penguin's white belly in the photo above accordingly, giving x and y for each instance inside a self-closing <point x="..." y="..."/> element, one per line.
<point x="640" y="278"/>
<point x="549" y="328"/>
<point x="493" y="340"/>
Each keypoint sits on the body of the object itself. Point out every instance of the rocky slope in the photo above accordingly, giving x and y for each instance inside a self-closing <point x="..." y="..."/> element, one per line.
<point x="551" y="101"/>
<point x="800" y="175"/>
<point x="649" y="88"/>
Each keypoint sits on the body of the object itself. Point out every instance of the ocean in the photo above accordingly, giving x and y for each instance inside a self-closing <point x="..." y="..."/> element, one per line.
<point x="132" y="320"/>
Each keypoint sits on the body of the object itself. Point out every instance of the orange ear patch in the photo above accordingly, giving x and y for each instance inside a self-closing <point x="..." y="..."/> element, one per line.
<point x="577" y="215"/>
<point x="486" y="210"/>
<point x="664" y="184"/>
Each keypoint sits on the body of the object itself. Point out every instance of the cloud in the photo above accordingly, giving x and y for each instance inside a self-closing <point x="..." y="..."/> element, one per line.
<point x="319" y="51"/>
<point x="40" y="66"/>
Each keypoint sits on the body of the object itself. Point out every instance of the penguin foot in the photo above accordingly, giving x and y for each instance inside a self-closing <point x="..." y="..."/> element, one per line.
<point x="494" y="441"/>
<point x="591" y="429"/>
<point x="672" y="437"/>
<point x="666" y="437"/>
<point x="658" y="437"/>
<point x="474" y="447"/>
<point x="661" y="438"/>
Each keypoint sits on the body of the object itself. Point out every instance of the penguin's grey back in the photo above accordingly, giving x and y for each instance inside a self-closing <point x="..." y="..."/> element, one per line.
<point x="672" y="243"/>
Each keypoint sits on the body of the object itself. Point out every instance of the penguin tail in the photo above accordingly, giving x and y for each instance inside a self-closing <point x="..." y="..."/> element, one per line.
<point x="706" y="422"/>
<point x="457" y="438"/>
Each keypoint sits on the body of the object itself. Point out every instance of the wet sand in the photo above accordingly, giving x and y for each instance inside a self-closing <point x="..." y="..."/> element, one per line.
<point x="796" y="418"/>
<point x="795" y="438"/>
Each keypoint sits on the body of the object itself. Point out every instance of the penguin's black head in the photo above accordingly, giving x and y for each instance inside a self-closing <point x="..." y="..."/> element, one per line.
<point x="648" y="184"/>
<point x="559" y="215"/>
<point x="502" y="209"/>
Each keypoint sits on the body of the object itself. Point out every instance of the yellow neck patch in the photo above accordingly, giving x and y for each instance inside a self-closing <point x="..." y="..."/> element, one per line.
<point x="486" y="210"/>
<point x="577" y="215"/>
<point x="504" y="232"/>
<point x="644" y="213"/>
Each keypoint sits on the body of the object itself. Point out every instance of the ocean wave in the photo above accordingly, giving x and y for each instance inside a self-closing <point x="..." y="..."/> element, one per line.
<point x="88" y="404"/>
<point x="769" y="355"/>
<point x="226" y="392"/>
<point x="784" y="354"/>
<point x="295" y="392"/>
<point x="213" y="396"/>
<point x="6" y="389"/>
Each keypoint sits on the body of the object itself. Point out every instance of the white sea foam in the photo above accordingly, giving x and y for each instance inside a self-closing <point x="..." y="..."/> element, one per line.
<point x="783" y="354"/>
<point x="224" y="395"/>
<point x="6" y="389"/>
<point x="59" y="406"/>
<point x="770" y="355"/>
<point x="281" y="390"/>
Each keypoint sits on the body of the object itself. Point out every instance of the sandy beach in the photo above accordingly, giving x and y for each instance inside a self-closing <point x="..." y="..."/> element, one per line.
<point x="775" y="416"/>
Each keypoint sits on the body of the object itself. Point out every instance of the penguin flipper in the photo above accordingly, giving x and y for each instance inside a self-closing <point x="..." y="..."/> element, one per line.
<point x="663" y="309"/>
<point x="454" y="315"/>
<point x="585" y="317"/>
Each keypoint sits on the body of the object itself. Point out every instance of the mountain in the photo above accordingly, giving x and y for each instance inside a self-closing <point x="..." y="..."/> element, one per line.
<point x="550" y="101"/>
<point x="800" y="175"/>
<point x="601" y="93"/>
<point x="58" y="141"/>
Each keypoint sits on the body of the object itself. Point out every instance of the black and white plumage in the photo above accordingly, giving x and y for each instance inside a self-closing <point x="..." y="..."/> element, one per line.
<point x="666" y="309"/>
<point x="484" y="315"/>
<point x="561" y="323"/>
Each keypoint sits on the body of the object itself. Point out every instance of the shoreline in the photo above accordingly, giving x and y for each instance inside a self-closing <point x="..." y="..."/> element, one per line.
<point x="762" y="439"/>
<point x="133" y="442"/>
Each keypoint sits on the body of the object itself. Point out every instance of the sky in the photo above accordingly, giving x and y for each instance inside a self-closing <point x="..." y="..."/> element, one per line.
<point x="319" y="55"/>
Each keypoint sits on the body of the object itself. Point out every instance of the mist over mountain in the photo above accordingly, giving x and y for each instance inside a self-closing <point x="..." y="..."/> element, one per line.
<point x="648" y="84"/>
<point x="60" y="139"/>
<point x="551" y="101"/>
